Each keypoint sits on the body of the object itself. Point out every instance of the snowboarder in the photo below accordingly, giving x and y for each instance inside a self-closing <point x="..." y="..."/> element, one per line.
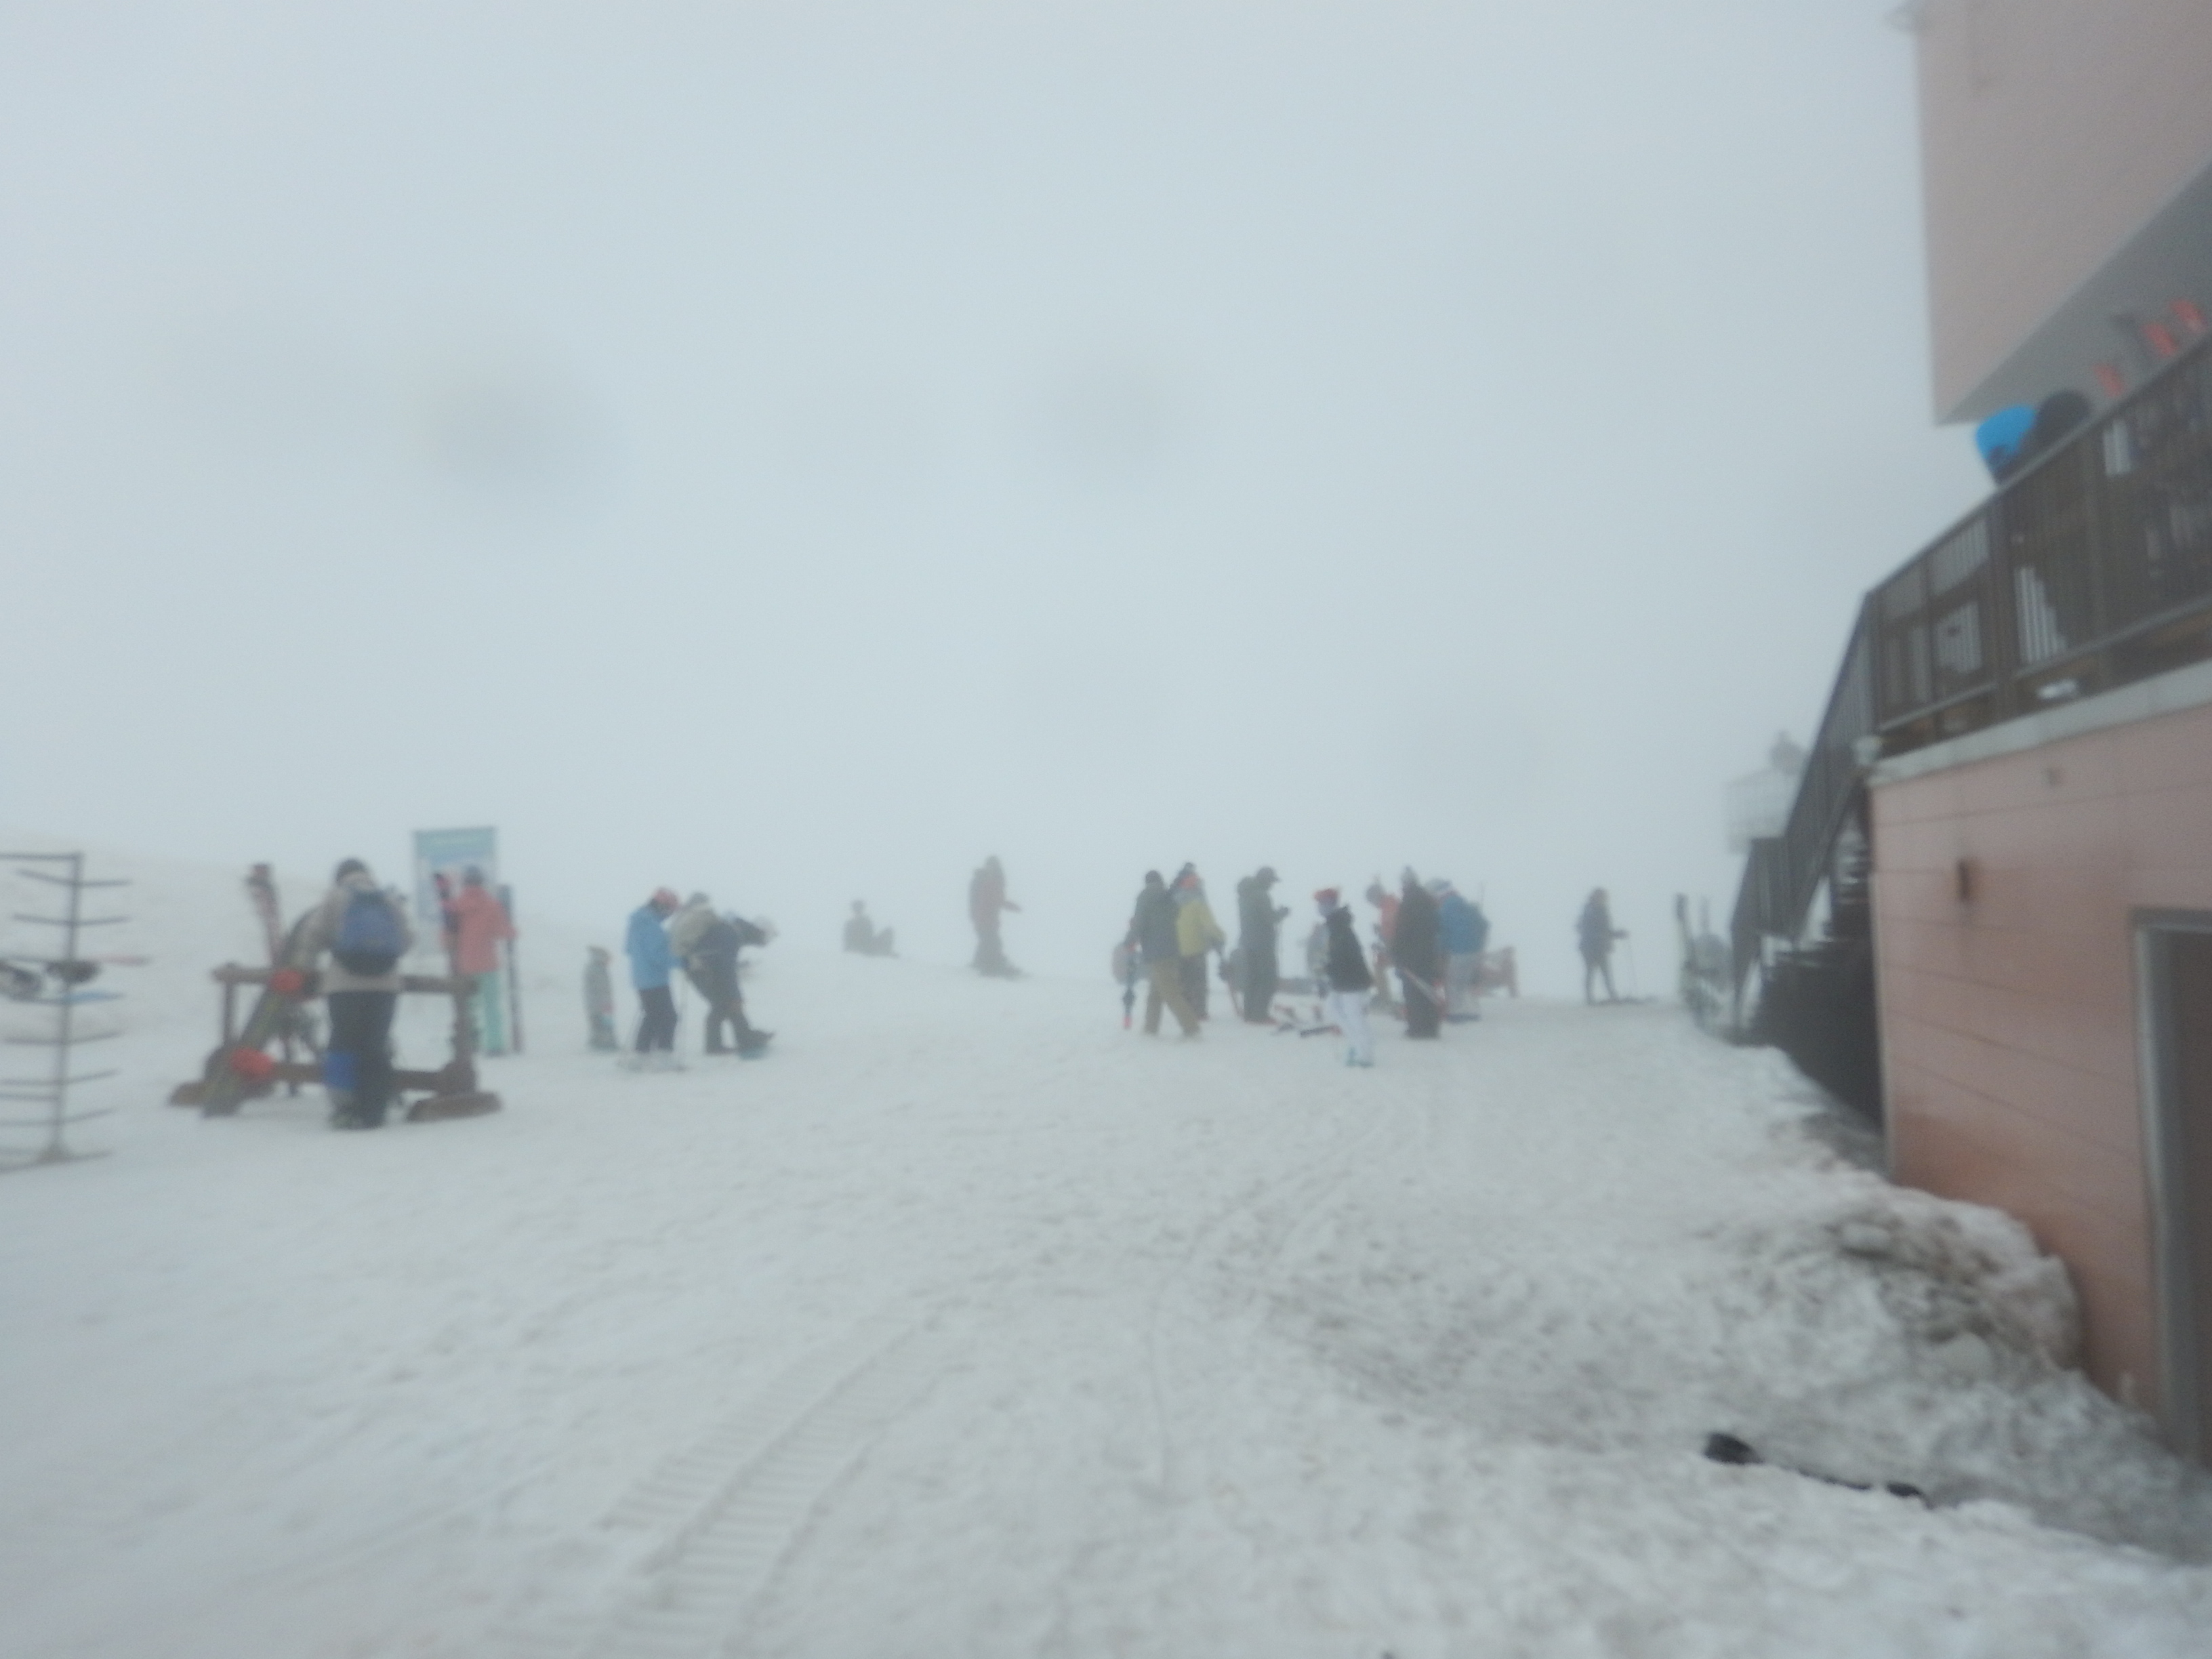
<point x="987" y="900"/>
<point x="652" y="963"/>
<point x="1152" y="934"/>
<point x="711" y="966"/>
<point x="1417" y="948"/>
<point x="1259" y="920"/>
<point x="480" y="926"/>
<point x="1198" y="935"/>
<point x="863" y="938"/>
<point x="1345" y="975"/>
<point x="1595" y="934"/>
<point x="599" y="1000"/>
<point x="365" y="930"/>
<point x="1465" y="930"/>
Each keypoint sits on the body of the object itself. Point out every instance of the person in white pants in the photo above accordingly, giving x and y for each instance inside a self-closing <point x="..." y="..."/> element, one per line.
<point x="1350" y="983"/>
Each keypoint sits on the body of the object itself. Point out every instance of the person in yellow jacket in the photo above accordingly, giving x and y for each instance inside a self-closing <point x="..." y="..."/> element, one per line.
<point x="1198" y="935"/>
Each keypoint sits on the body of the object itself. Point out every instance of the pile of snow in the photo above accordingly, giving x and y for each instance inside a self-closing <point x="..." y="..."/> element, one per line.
<point x="966" y="1322"/>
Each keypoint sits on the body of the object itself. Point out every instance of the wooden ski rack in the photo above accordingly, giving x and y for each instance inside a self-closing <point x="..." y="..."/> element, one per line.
<point x="449" y="1091"/>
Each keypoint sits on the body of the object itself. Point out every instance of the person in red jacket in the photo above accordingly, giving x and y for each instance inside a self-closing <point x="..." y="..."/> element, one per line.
<point x="480" y="927"/>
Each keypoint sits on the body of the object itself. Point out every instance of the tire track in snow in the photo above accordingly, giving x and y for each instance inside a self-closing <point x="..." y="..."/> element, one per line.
<point x="727" y="1510"/>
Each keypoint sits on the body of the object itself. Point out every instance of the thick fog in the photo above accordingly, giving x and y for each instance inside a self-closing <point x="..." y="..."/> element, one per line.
<point x="797" y="450"/>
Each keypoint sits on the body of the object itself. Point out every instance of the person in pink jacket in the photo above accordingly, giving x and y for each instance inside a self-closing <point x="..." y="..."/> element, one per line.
<point x="480" y="927"/>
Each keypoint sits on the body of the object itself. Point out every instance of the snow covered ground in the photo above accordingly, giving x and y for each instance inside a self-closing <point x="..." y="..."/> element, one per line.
<point x="967" y="1324"/>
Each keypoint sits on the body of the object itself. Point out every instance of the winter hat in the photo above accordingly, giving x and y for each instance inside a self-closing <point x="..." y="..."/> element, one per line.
<point x="348" y="867"/>
<point x="1266" y="874"/>
<point x="664" y="898"/>
<point x="472" y="877"/>
<point x="1326" y="898"/>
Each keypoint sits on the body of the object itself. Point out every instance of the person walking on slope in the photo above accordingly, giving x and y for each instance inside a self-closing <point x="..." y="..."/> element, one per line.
<point x="1595" y="933"/>
<point x="1198" y="935"/>
<point x="1259" y="923"/>
<point x="1465" y="930"/>
<point x="1417" y="948"/>
<point x="1153" y="935"/>
<point x="1345" y="975"/>
<point x="599" y="1000"/>
<point x="365" y="930"/>
<point x="479" y="927"/>
<point x="651" y="964"/>
<point x="987" y="901"/>
<point x="711" y="966"/>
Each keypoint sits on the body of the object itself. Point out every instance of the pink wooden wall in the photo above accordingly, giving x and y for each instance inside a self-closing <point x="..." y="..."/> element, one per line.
<point x="2009" y="1018"/>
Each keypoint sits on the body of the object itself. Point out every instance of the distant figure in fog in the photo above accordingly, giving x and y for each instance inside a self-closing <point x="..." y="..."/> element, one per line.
<point x="1198" y="935"/>
<point x="987" y="901"/>
<point x="1153" y="934"/>
<point x="1595" y="933"/>
<point x="1259" y="921"/>
<point x="1344" y="976"/>
<point x="1466" y="931"/>
<point x="599" y="999"/>
<point x="862" y="936"/>
<point x="1417" y="948"/>
<point x="651" y="965"/>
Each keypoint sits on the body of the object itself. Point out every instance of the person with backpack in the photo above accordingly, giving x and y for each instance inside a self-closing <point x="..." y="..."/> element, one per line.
<point x="1466" y="931"/>
<point x="364" y="931"/>
<point x="1346" y="974"/>
<point x="651" y="965"/>
<point x="1594" y="936"/>
<point x="480" y="926"/>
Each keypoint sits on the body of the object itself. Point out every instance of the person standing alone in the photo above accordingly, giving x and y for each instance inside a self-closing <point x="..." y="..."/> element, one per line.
<point x="987" y="901"/>
<point x="479" y="927"/>
<point x="1595" y="933"/>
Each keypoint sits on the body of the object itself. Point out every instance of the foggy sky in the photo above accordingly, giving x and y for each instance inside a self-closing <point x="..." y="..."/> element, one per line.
<point x="796" y="450"/>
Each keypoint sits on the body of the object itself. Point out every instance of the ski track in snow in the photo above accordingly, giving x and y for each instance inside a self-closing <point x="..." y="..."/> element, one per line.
<point x="723" y="1512"/>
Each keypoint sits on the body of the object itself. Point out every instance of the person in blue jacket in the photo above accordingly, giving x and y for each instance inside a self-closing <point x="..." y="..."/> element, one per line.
<point x="1465" y="930"/>
<point x="651" y="965"/>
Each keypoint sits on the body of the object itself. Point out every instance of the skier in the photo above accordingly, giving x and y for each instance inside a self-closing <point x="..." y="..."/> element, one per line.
<point x="480" y="926"/>
<point x="1198" y="935"/>
<point x="987" y="899"/>
<point x="651" y="963"/>
<point x="599" y="1000"/>
<point x="1418" y="947"/>
<point x="1345" y="975"/>
<point x="1595" y="933"/>
<point x="1152" y="934"/>
<point x="365" y="930"/>
<point x="712" y="967"/>
<point x="1259" y="920"/>
<point x="863" y="938"/>
<point x="1466" y="930"/>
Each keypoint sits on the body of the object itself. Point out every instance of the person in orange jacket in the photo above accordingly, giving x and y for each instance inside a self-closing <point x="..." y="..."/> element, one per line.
<point x="480" y="927"/>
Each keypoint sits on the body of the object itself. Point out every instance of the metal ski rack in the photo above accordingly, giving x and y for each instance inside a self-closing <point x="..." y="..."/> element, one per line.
<point x="69" y="973"/>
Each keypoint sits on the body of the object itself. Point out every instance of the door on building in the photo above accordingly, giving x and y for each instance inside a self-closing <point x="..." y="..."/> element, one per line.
<point x="2175" y="950"/>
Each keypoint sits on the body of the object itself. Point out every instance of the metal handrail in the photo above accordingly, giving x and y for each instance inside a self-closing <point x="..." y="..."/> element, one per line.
<point x="2090" y="568"/>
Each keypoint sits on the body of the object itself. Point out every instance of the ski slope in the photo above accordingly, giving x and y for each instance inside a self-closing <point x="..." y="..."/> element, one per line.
<point x="967" y="1324"/>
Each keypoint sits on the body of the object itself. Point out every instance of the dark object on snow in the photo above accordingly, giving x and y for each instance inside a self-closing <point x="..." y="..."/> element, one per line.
<point x="1727" y="1449"/>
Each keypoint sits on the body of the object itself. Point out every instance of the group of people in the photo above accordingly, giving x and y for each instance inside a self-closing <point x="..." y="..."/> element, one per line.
<point x="666" y="933"/>
<point x="1428" y="933"/>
